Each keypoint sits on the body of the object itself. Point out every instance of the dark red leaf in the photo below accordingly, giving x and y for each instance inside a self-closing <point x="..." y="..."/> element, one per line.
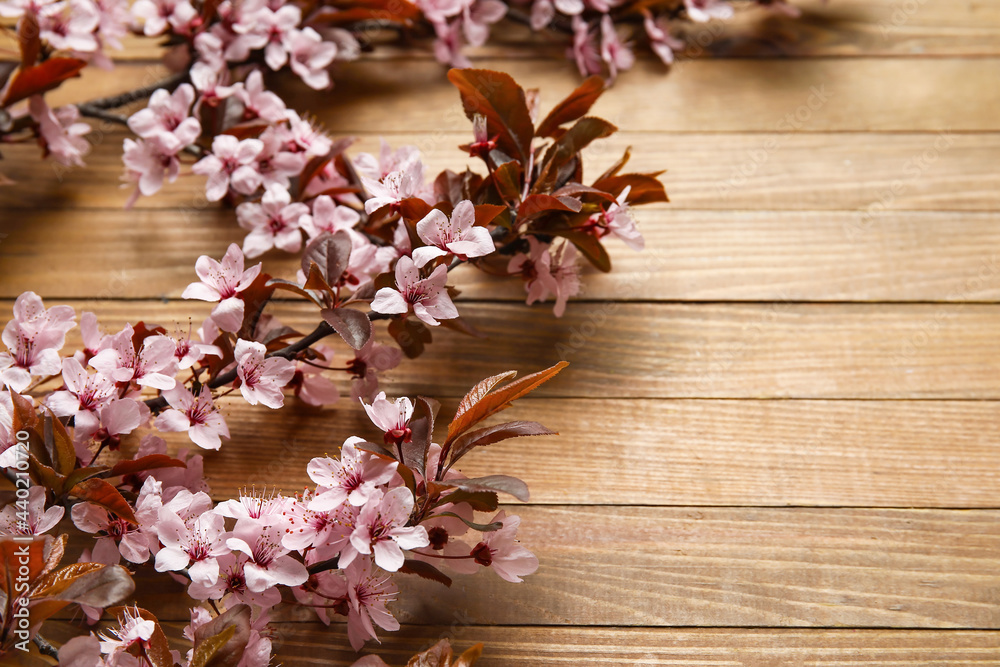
<point x="497" y="96"/>
<point x="481" y="501"/>
<point x="493" y="434"/>
<point x="422" y="431"/>
<point x="587" y="244"/>
<point x="41" y="78"/>
<point x="576" y="105"/>
<point x="411" y="335"/>
<point x="567" y="147"/>
<point x="414" y="209"/>
<point x="425" y="570"/>
<point x="29" y="36"/>
<point x="150" y="462"/>
<point x="534" y="205"/>
<point x="501" y="483"/>
<point x="646" y="188"/>
<point x="352" y="325"/>
<point x="331" y="253"/>
<point x="101" y="493"/>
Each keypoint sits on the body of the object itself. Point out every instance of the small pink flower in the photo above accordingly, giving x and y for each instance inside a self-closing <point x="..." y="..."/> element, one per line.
<point x="83" y="397"/>
<point x="81" y="651"/>
<point x="614" y="52"/>
<point x="370" y="360"/>
<point x="546" y="273"/>
<point x="368" y="594"/>
<point x="262" y="378"/>
<point x="310" y="383"/>
<point x="478" y="16"/>
<point x="326" y="216"/>
<point x="309" y="56"/>
<point x="660" y="40"/>
<point x="584" y="50"/>
<point x="300" y="136"/>
<point x="395" y="186"/>
<point x="133" y="630"/>
<point x="352" y="478"/>
<point x="157" y="15"/>
<point x="701" y="11"/>
<point x="258" y="102"/>
<point x="117" y="537"/>
<point x="230" y="165"/>
<point x="381" y="530"/>
<point x="148" y="163"/>
<point x="195" y="544"/>
<point x="273" y="223"/>
<point x="190" y="352"/>
<point x="222" y="282"/>
<point x="211" y="84"/>
<point x="153" y="366"/>
<point x="269" y="564"/>
<point x="33" y="338"/>
<point x="619" y="221"/>
<point x="501" y="551"/>
<point x="70" y="26"/>
<point x="32" y="519"/>
<point x="60" y="132"/>
<point x="428" y="297"/>
<point x="197" y="416"/>
<point x="256" y="507"/>
<point x="457" y="235"/>
<point x="167" y="118"/>
<point x="233" y="581"/>
<point x="278" y="26"/>
<point x="392" y="417"/>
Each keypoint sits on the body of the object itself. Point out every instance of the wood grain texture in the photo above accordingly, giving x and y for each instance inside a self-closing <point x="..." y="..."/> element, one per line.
<point x="754" y="350"/>
<point x="705" y="95"/>
<point x="690" y="256"/>
<point x="314" y="644"/>
<point x="871" y="175"/>
<point x="747" y="567"/>
<point x="701" y="452"/>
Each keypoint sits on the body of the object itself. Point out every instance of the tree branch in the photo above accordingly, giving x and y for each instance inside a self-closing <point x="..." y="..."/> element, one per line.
<point x="115" y="101"/>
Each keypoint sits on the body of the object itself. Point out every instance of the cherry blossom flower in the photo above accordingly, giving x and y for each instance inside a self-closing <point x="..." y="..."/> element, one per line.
<point x="117" y="537"/>
<point x="546" y="273"/>
<point x="233" y="581"/>
<point x="440" y="10"/>
<point x="353" y="478"/>
<point x="501" y="551"/>
<point x="269" y="563"/>
<point x="174" y="480"/>
<point x="381" y="530"/>
<point x="457" y="235"/>
<point x="370" y="360"/>
<point x="277" y="26"/>
<point x="392" y="417"/>
<point x="478" y="16"/>
<point x="442" y="532"/>
<point x="448" y="43"/>
<point x="262" y="378"/>
<point x="614" y="52"/>
<point x="311" y="385"/>
<point x="662" y="42"/>
<point x="133" y="630"/>
<point x="197" y="416"/>
<point x="428" y="297"/>
<point x="320" y="534"/>
<point x="211" y="84"/>
<point x="32" y="518"/>
<point x="394" y="187"/>
<point x="259" y="102"/>
<point x="148" y="163"/>
<point x="70" y="26"/>
<point x="153" y="365"/>
<point x="300" y="136"/>
<point x="255" y="507"/>
<point x="309" y="56"/>
<point x="273" y="223"/>
<point x="368" y="594"/>
<point x="61" y="134"/>
<point x="326" y="216"/>
<point x="223" y="281"/>
<point x="157" y="15"/>
<point x="189" y="352"/>
<point x="83" y="398"/>
<point x="229" y="165"/>
<point x="619" y="221"/>
<point x="167" y="118"/>
<point x="81" y="651"/>
<point x="388" y="160"/>
<point x="195" y="544"/>
<point x="701" y="11"/>
<point x="276" y="164"/>
<point x="585" y="50"/>
<point x="33" y="338"/>
<point x="9" y="454"/>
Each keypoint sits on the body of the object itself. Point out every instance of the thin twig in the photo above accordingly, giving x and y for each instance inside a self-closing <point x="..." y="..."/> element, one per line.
<point x="115" y="101"/>
<point x="90" y="111"/>
<point x="45" y="647"/>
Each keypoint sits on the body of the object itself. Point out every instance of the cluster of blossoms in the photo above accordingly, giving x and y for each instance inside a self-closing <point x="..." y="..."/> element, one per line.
<point x="211" y="43"/>
<point x="85" y="428"/>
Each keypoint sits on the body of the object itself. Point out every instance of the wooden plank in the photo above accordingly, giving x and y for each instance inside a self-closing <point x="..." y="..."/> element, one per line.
<point x="785" y="96"/>
<point x="515" y="646"/>
<point x="646" y="566"/>
<point x="776" y="350"/>
<point x="690" y="256"/>
<point x="706" y="452"/>
<point x="870" y="174"/>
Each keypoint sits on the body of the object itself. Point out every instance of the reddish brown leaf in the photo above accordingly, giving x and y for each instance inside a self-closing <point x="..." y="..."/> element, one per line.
<point x="481" y="501"/>
<point x="59" y="444"/>
<point x="487" y="213"/>
<point x="30" y="39"/>
<point x="352" y="325"/>
<point x="484" y="400"/>
<point x="425" y="570"/>
<point x="150" y="462"/>
<point x="41" y="78"/>
<point x="222" y="641"/>
<point x="576" y="105"/>
<point x="411" y="335"/>
<point x="493" y="434"/>
<point x="469" y="657"/>
<point x="589" y="245"/>
<point x="497" y="96"/>
<point x="534" y="205"/>
<point x="331" y="253"/>
<point x="646" y="188"/>
<point x="567" y="147"/>
<point x="500" y="483"/>
<point x="101" y="493"/>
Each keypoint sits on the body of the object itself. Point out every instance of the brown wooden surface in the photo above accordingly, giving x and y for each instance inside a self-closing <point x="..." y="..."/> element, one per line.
<point x="781" y="429"/>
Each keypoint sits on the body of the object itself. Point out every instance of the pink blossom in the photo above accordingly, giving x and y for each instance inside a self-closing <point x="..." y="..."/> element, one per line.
<point x="458" y="235"/>
<point x="60" y="132"/>
<point x="33" y="338"/>
<point x="81" y="651"/>
<point x="325" y="531"/>
<point x="478" y="16"/>
<point x="388" y="161"/>
<point x="190" y="352"/>
<point x="660" y="40"/>
<point x="132" y="631"/>
<point x="116" y="535"/>
<point x="352" y="478"/>
<point x="311" y="385"/>
<point x="437" y="11"/>
<point x="309" y="56"/>
<point x="167" y="117"/>
<point x="269" y="563"/>
<point x="16" y="8"/>
<point x="195" y="544"/>
<point x="381" y="530"/>
<point x="326" y="216"/>
<point x="230" y="165"/>
<point x="442" y="532"/>
<point x="278" y="26"/>
<point x="148" y="163"/>
<point x="153" y="366"/>
<point x="156" y="15"/>
<point x="70" y="26"/>
<point x="394" y="186"/>
<point x="190" y="478"/>
<point x="391" y="417"/>
<point x="370" y="360"/>
<point x="501" y="551"/>
<point x="31" y="517"/>
<point x="259" y="102"/>
<point x="368" y="593"/>
<point x="584" y="50"/>
<point x="262" y="378"/>
<point x="233" y="581"/>
<point x="197" y="416"/>
<point x="300" y="136"/>
<point x="276" y="164"/>
<point x="701" y="11"/>
<point x="614" y="52"/>
<point x="9" y="454"/>
<point x="619" y="221"/>
<point x="83" y="397"/>
<point x="546" y="273"/>
<point x="222" y="282"/>
<point x="211" y="84"/>
<point x="542" y="13"/>
<point x="427" y="297"/>
<point x="256" y="507"/>
<point x="273" y="223"/>
<point x="448" y="43"/>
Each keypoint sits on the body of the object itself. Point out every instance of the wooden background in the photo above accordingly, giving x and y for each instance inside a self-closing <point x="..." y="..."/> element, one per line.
<point x="780" y="427"/>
